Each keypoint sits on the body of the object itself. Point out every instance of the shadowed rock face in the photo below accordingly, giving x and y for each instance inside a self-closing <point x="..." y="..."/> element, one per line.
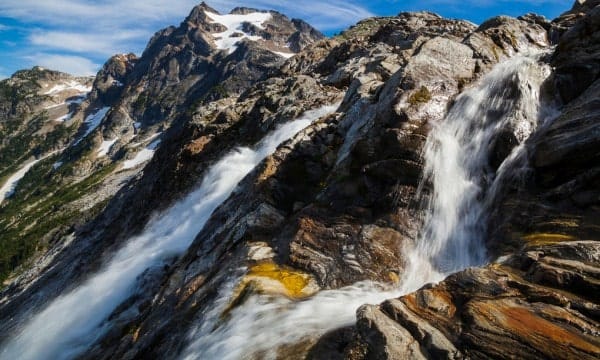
<point x="338" y="203"/>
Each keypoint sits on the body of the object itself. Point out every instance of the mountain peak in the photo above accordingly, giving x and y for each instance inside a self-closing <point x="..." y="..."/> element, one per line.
<point x="198" y="13"/>
<point x="242" y="10"/>
<point x="273" y="31"/>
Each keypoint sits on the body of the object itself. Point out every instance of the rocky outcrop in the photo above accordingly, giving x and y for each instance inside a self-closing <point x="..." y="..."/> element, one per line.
<point x="577" y="59"/>
<point x="138" y="99"/>
<point x="538" y="299"/>
<point x="514" y="309"/>
<point x="337" y="203"/>
<point x="110" y="80"/>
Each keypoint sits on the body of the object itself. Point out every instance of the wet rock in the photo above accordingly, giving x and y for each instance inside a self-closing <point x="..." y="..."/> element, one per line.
<point x="500" y="311"/>
<point x="336" y="204"/>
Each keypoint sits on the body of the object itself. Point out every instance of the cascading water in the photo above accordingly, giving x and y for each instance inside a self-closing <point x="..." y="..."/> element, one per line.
<point x="456" y="157"/>
<point x="74" y="321"/>
<point x="457" y="165"/>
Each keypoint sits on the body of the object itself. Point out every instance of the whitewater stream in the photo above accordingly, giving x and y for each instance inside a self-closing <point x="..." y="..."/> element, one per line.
<point x="71" y="323"/>
<point x="457" y="185"/>
<point x="456" y="167"/>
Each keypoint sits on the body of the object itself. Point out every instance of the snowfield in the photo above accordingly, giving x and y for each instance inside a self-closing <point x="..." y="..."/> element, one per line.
<point x="105" y="147"/>
<point x="93" y="121"/>
<point x="141" y="157"/>
<point x="69" y="85"/>
<point x="233" y="23"/>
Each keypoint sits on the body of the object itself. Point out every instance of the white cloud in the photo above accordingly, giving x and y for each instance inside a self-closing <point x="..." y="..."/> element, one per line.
<point x="97" y="43"/>
<point x="75" y="65"/>
<point x="117" y="14"/>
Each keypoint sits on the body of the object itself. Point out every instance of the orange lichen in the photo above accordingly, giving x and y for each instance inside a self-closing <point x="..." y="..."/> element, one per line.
<point x="136" y="334"/>
<point x="190" y="288"/>
<point x="394" y="278"/>
<point x="531" y="328"/>
<point x="197" y="145"/>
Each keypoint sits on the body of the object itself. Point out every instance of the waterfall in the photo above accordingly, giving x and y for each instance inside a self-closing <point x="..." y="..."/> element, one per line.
<point x="457" y="166"/>
<point x="74" y="321"/>
<point x="457" y="170"/>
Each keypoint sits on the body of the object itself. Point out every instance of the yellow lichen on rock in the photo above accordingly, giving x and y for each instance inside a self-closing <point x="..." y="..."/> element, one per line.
<point x="269" y="278"/>
<point x="547" y="238"/>
<point x="293" y="282"/>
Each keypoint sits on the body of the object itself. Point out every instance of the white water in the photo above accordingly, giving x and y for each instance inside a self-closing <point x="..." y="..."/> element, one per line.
<point x="264" y="323"/>
<point x="456" y="156"/>
<point x="74" y="321"/>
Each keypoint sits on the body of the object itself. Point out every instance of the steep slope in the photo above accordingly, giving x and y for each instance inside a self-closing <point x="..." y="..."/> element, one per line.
<point x="275" y="263"/>
<point x="100" y="142"/>
<point x="38" y="118"/>
<point x="333" y="203"/>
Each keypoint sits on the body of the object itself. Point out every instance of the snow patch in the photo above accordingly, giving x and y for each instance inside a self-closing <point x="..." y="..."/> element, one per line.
<point x="233" y="23"/>
<point x="141" y="157"/>
<point x="69" y="85"/>
<point x="92" y="121"/>
<point x="283" y="54"/>
<point x="74" y="100"/>
<point x="64" y="118"/>
<point x="105" y="147"/>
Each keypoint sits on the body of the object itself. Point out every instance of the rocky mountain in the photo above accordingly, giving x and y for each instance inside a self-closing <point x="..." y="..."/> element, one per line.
<point x="94" y="143"/>
<point x="245" y="185"/>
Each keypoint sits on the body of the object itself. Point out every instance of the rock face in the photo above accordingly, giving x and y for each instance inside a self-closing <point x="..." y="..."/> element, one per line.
<point x="515" y="309"/>
<point x="539" y="298"/>
<point x="338" y="203"/>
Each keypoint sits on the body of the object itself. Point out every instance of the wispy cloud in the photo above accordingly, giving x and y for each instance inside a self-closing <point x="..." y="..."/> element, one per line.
<point x="86" y="42"/>
<point x="66" y="63"/>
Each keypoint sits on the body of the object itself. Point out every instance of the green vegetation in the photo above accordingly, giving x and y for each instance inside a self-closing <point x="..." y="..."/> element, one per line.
<point x="40" y="209"/>
<point x="24" y="143"/>
<point x="140" y="102"/>
<point x="420" y="96"/>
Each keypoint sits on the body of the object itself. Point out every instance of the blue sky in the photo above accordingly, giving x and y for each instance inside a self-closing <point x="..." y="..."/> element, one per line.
<point x="77" y="36"/>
